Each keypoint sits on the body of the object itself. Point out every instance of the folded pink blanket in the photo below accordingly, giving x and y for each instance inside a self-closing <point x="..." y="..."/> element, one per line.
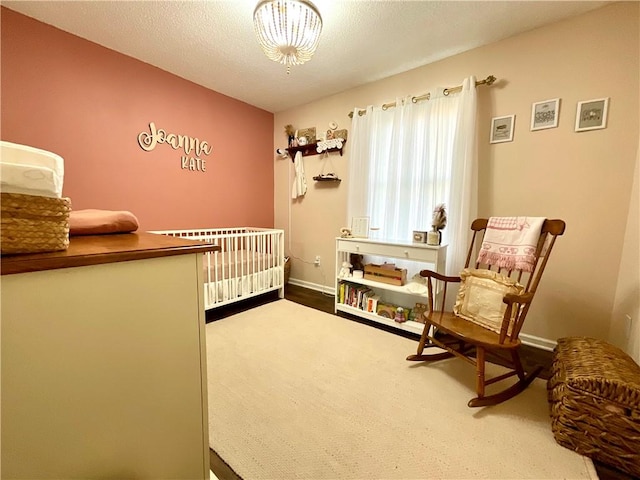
<point x="510" y="242"/>
<point x="100" y="222"/>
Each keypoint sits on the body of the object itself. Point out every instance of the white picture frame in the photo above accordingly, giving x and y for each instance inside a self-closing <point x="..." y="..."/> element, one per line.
<point x="592" y="114"/>
<point x="502" y="129"/>
<point x="545" y="114"/>
<point x="360" y="227"/>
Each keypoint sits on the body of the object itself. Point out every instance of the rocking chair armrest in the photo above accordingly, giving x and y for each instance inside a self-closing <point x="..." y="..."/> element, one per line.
<point x="438" y="276"/>
<point x="522" y="299"/>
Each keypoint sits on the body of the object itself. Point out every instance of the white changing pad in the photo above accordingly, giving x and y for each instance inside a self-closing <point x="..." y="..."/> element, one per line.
<point x="29" y="180"/>
<point x="30" y="170"/>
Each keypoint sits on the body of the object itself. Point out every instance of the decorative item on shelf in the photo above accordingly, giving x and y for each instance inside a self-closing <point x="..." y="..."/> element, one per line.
<point x="308" y="134"/>
<point x="288" y="30"/>
<point x="420" y="312"/>
<point x="433" y="237"/>
<point x="335" y="143"/>
<point x="340" y="134"/>
<point x="345" y="232"/>
<point x="358" y="274"/>
<point x="400" y="317"/>
<point x="417" y="287"/>
<point x="330" y="132"/>
<point x="345" y="271"/>
<point x="360" y="227"/>
<point x="386" y="273"/>
<point x="438" y="222"/>
<point x="290" y="132"/>
<point x="419" y="236"/>
<point x="356" y="261"/>
<point x="385" y="310"/>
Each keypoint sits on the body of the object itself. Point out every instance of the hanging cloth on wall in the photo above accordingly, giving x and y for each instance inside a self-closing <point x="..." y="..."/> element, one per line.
<point x="299" y="182"/>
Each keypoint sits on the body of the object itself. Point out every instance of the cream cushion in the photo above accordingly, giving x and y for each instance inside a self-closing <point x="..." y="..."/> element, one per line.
<point x="480" y="297"/>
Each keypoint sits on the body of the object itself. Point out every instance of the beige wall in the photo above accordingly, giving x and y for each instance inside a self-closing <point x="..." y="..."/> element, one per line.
<point x="627" y="301"/>
<point x="584" y="178"/>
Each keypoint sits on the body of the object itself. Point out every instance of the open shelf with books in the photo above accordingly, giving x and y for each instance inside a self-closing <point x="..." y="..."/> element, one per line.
<point x="409" y="325"/>
<point x="378" y="300"/>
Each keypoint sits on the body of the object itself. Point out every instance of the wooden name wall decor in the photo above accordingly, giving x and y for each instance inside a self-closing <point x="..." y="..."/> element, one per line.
<point x="192" y="147"/>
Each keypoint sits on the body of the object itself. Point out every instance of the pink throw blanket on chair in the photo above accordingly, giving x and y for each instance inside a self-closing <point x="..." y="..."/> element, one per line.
<point x="510" y="242"/>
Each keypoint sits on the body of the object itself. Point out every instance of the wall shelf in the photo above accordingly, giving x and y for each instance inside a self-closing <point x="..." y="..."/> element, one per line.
<point x="327" y="179"/>
<point x="310" y="149"/>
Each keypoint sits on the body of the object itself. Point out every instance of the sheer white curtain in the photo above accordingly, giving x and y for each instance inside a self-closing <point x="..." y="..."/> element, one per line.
<point x="406" y="160"/>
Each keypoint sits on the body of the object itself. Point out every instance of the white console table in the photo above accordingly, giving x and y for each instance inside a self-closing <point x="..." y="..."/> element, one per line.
<point x="434" y="257"/>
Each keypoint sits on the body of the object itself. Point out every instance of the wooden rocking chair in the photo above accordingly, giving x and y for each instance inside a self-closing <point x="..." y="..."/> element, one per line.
<point x="461" y="336"/>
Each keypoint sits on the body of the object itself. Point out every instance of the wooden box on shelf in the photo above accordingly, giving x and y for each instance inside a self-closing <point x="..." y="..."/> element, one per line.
<point x="385" y="274"/>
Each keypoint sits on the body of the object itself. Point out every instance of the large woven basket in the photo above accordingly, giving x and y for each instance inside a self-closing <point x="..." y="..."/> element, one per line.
<point x="594" y="393"/>
<point x="31" y="224"/>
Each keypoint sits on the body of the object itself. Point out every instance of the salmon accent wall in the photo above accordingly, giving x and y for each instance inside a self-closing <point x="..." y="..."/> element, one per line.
<point x="88" y="104"/>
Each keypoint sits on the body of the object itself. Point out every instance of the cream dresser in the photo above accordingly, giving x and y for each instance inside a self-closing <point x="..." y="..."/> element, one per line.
<point x="103" y="360"/>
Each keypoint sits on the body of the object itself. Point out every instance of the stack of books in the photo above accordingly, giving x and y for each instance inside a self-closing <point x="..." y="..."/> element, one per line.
<point x="358" y="296"/>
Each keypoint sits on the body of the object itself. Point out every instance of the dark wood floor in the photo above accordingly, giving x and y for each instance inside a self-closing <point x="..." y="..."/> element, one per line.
<point x="325" y="303"/>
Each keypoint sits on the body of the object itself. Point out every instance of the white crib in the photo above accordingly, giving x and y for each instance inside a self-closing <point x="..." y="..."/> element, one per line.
<point x="250" y="262"/>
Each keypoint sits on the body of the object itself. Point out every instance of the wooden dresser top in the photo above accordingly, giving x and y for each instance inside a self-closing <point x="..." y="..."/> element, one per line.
<point x="98" y="249"/>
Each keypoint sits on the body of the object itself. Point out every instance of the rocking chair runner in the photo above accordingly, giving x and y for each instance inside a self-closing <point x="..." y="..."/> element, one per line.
<point x="466" y="339"/>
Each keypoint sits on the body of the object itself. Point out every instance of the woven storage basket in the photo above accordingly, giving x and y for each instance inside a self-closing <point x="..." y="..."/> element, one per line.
<point x="594" y="393"/>
<point x="31" y="224"/>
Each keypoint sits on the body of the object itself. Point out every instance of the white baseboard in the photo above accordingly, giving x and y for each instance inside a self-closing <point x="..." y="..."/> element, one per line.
<point x="531" y="340"/>
<point x="313" y="286"/>
<point x="542" y="343"/>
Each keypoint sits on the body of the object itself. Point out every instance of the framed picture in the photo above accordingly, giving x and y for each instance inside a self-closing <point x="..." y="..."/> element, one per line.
<point x="360" y="227"/>
<point x="592" y="114"/>
<point x="502" y="129"/>
<point x="545" y="114"/>
<point x="340" y="134"/>
<point x="309" y="134"/>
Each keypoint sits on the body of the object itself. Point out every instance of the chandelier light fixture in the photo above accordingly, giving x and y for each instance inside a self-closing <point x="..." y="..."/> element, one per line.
<point x="288" y="30"/>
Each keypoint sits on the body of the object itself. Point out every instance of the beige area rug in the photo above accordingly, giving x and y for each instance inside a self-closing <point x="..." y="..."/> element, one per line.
<point x="298" y="393"/>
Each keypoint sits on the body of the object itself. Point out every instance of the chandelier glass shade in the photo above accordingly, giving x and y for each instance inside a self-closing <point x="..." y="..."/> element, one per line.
<point x="288" y="30"/>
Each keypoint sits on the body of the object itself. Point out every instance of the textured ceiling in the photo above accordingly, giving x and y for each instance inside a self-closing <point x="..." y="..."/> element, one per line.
<point x="212" y="43"/>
